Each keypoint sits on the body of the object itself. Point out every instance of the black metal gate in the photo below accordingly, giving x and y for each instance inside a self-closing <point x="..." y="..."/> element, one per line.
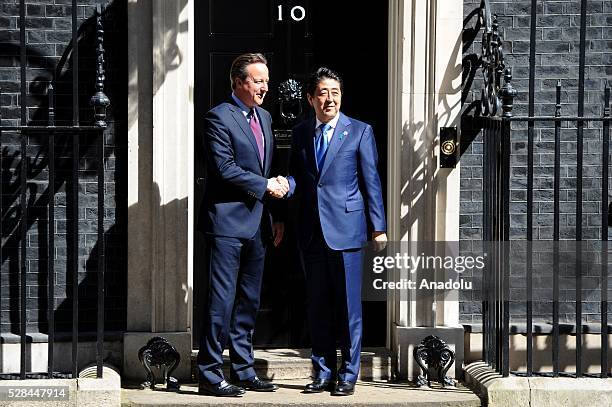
<point x="24" y="130"/>
<point x="498" y="123"/>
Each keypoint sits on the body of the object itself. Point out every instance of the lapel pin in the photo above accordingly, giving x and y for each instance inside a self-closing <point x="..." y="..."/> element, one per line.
<point x="344" y="134"/>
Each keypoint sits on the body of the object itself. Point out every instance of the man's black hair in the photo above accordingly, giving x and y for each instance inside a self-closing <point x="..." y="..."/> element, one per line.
<point x="319" y="75"/>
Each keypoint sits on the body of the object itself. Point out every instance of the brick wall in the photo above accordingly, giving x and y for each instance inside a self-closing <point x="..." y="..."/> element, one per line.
<point x="48" y="35"/>
<point x="557" y="53"/>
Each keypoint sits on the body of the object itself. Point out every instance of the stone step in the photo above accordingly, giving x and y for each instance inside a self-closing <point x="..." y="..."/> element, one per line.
<point x="367" y="393"/>
<point x="289" y="364"/>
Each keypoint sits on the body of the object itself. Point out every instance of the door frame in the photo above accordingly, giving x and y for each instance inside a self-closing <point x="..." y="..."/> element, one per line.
<point x="393" y="153"/>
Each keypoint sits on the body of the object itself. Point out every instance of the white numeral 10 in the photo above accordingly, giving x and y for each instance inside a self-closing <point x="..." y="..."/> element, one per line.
<point x="298" y="13"/>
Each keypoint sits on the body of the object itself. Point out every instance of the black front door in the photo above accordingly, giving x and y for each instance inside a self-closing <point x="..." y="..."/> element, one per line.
<point x="295" y="36"/>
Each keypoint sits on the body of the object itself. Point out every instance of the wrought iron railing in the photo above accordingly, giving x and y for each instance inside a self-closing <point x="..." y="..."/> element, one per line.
<point x="496" y="119"/>
<point x="99" y="103"/>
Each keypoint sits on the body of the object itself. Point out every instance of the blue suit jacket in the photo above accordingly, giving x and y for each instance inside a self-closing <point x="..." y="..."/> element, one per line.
<point x="236" y="180"/>
<point x="347" y="190"/>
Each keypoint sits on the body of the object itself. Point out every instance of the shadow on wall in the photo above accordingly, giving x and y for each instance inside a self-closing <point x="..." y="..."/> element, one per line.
<point x="172" y="57"/>
<point x="116" y="70"/>
<point x="37" y="161"/>
<point x="424" y="178"/>
<point x="470" y="65"/>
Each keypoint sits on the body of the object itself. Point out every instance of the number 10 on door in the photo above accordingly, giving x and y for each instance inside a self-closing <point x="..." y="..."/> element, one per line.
<point x="298" y="13"/>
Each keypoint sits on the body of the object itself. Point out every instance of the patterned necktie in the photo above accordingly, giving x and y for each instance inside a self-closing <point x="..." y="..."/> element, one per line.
<point x="321" y="145"/>
<point x="256" y="128"/>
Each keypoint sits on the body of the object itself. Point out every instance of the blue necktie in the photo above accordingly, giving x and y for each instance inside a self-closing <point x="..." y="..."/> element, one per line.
<point x="321" y="145"/>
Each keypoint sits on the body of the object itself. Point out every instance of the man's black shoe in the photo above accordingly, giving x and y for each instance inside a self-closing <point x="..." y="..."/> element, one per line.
<point x="344" y="389"/>
<point x="221" y="389"/>
<point x="256" y="384"/>
<point x="319" y="386"/>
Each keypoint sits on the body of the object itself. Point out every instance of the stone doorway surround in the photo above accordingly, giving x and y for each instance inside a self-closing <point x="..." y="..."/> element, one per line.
<point x="160" y="179"/>
<point x="425" y="53"/>
<point x="424" y="94"/>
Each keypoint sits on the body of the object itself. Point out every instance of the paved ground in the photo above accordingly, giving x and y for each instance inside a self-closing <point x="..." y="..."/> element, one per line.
<point x="290" y="394"/>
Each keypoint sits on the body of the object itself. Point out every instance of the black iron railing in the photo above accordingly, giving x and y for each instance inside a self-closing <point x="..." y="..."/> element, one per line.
<point x="99" y="103"/>
<point x="496" y="121"/>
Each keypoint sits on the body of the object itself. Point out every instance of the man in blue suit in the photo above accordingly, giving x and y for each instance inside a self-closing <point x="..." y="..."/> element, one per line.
<point x="239" y="145"/>
<point x="334" y="171"/>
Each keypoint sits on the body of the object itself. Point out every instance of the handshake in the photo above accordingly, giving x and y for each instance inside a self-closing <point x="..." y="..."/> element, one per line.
<point x="278" y="186"/>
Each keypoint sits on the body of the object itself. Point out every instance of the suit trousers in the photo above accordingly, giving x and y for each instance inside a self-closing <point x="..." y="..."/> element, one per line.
<point x="235" y="268"/>
<point x="333" y="286"/>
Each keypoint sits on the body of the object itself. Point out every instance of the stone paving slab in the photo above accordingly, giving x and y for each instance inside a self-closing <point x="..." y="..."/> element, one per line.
<point x="378" y="394"/>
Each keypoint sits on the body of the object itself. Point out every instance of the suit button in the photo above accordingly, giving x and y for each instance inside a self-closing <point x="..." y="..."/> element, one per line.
<point x="320" y="185"/>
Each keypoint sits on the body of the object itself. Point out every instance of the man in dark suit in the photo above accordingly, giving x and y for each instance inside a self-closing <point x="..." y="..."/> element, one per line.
<point x="239" y="145"/>
<point x="334" y="170"/>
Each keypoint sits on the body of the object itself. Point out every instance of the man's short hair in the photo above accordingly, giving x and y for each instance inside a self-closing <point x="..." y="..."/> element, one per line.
<point x="239" y="66"/>
<point x="319" y="75"/>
